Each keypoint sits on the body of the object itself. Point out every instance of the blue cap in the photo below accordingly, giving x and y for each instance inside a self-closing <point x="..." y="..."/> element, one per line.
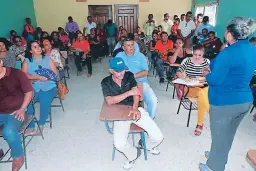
<point x="117" y="64"/>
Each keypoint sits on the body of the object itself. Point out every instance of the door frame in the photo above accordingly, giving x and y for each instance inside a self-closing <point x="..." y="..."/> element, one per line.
<point x="90" y="13"/>
<point x="126" y="5"/>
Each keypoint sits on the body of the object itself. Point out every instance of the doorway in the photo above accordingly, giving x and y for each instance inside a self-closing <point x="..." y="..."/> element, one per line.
<point x="127" y="16"/>
<point x="100" y="13"/>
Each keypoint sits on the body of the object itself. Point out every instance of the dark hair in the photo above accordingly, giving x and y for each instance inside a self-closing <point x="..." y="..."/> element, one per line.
<point x="177" y="19"/>
<point x="211" y="32"/>
<point x="200" y="15"/>
<point x="150" y="15"/>
<point x="28" y="54"/>
<point x="241" y="28"/>
<point x="77" y="33"/>
<point x="180" y="39"/>
<point x="253" y="40"/>
<point x="12" y="31"/>
<point x="182" y="15"/>
<point x="27" y="18"/>
<point x="205" y="19"/>
<point x="175" y="16"/>
<point x="70" y="18"/>
<point x="89" y="17"/>
<point x="54" y="32"/>
<point x="205" y="29"/>
<point x="6" y="43"/>
<point x="130" y="36"/>
<point x="110" y="21"/>
<point x="163" y="32"/>
<point x="160" y="26"/>
<point x="198" y="47"/>
<point x="60" y="28"/>
<point x="189" y="13"/>
<point x="154" y="32"/>
<point x="166" y="14"/>
<point x="16" y="37"/>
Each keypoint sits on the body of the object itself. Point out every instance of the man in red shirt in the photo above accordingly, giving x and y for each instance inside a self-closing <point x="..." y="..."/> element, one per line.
<point x="16" y="93"/>
<point x="163" y="47"/>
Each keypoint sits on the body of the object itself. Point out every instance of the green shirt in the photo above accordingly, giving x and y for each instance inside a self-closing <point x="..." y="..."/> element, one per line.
<point x="111" y="30"/>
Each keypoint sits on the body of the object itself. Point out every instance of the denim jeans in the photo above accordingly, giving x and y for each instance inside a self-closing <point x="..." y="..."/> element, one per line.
<point x="224" y="121"/>
<point x="150" y="100"/>
<point x="45" y="98"/>
<point x="160" y="67"/>
<point x="11" y="134"/>
<point x="111" y="44"/>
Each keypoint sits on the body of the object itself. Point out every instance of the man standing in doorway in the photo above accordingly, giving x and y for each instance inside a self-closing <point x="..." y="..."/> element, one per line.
<point x="111" y="30"/>
<point x="167" y="24"/>
<point x="71" y="28"/>
<point x="149" y="27"/>
<point x="186" y="28"/>
<point x="88" y="26"/>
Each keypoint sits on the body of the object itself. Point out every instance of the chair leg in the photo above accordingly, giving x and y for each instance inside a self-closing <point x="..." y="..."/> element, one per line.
<point x="37" y="123"/>
<point x="252" y="109"/>
<point x="61" y="102"/>
<point x="113" y="153"/>
<point x="179" y="107"/>
<point x="173" y="94"/>
<point x="133" y="141"/>
<point x="50" y="117"/>
<point x="167" y="85"/>
<point x="189" y="113"/>
<point x="25" y="152"/>
<point x="142" y="134"/>
<point x="68" y="73"/>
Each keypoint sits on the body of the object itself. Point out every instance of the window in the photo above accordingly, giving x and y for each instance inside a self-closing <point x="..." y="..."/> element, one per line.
<point x="209" y="10"/>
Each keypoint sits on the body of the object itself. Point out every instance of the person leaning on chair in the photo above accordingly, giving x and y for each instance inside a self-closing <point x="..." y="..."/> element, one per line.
<point x="121" y="88"/>
<point x="16" y="93"/>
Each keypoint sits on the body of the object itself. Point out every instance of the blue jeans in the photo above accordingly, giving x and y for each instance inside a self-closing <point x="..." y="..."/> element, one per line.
<point x="45" y="98"/>
<point x="11" y="134"/>
<point x="160" y="67"/>
<point x="150" y="100"/>
<point x="111" y="44"/>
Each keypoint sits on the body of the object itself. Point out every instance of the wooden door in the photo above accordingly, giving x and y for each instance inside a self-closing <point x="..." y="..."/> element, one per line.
<point x="100" y="13"/>
<point x="127" y="16"/>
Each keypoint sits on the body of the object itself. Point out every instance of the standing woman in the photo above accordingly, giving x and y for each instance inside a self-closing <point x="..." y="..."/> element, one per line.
<point x="7" y="55"/>
<point x="94" y="41"/>
<point x="45" y="90"/>
<point x="230" y="96"/>
<point x="28" y="30"/>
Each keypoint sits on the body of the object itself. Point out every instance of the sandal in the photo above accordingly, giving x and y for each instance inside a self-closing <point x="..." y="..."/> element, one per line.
<point x="198" y="130"/>
<point x="204" y="167"/>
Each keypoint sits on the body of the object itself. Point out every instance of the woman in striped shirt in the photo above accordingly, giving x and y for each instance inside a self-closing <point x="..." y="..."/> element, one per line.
<point x="191" y="68"/>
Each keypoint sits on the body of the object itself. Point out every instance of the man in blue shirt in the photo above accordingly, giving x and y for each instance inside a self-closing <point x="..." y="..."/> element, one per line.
<point x="137" y="64"/>
<point x="204" y="25"/>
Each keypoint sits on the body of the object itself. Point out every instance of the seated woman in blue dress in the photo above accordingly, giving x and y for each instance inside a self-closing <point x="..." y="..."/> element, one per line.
<point x="44" y="88"/>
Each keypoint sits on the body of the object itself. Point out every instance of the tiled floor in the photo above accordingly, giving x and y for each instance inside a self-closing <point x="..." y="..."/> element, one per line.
<point x="80" y="142"/>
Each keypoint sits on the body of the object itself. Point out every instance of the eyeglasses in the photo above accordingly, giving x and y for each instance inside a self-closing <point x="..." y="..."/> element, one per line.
<point x="17" y="41"/>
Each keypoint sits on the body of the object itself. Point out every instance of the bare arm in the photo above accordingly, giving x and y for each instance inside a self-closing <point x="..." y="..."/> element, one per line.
<point x="181" y="75"/>
<point x="25" y="70"/>
<point x="141" y="74"/>
<point x="111" y="100"/>
<point x="27" y="99"/>
<point x="53" y="67"/>
<point x="191" y="34"/>
<point x="173" y="58"/>
<point x="136" y="100"/>
<point x="179" y="33"/>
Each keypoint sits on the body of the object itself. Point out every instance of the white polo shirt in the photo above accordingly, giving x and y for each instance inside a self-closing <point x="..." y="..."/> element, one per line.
<point x="89" y="26"/>
<point x="186" y="27"/>
<point x="167" y="26"/>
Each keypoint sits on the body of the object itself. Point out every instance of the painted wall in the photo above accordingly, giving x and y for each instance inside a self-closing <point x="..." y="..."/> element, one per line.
<point x="228" y="9"/>
<point x="13" y="13"/>
<point x="51" y="14"/>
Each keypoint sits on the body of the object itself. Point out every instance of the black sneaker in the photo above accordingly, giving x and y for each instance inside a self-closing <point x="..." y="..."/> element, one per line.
<point x="161" y="80"/>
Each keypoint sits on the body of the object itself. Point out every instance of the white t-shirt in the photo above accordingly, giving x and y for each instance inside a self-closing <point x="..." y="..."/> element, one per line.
<point x="89" y="26"/>
<point x="186" y="27"/>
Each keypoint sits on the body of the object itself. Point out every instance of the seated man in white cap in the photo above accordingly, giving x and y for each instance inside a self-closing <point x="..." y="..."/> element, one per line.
<point x="121" y="88"/>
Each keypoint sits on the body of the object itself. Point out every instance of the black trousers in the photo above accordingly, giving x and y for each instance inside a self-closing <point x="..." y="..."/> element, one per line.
<point x="79" y="63"/>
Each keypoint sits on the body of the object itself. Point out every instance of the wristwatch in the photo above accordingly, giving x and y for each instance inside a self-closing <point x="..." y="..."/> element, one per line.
<point x="24" y="109"/>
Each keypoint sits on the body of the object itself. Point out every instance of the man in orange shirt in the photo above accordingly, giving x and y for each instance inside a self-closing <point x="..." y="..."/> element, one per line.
<point x="163" y="47"/>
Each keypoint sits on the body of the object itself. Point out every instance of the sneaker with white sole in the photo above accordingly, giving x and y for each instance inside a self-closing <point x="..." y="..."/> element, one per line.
<point x="129" y="164"/>
<point x="154" y="151"/>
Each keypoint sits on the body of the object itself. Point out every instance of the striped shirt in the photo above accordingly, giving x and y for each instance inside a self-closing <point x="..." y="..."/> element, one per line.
<point x="191" y="69"/>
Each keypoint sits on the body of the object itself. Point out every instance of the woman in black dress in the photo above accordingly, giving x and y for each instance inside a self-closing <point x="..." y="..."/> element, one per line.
<point x="94" y="41"/>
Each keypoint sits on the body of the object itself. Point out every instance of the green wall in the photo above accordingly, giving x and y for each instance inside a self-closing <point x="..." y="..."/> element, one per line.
<point x="13" y="13"/>
<point x="228" y="9"/>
